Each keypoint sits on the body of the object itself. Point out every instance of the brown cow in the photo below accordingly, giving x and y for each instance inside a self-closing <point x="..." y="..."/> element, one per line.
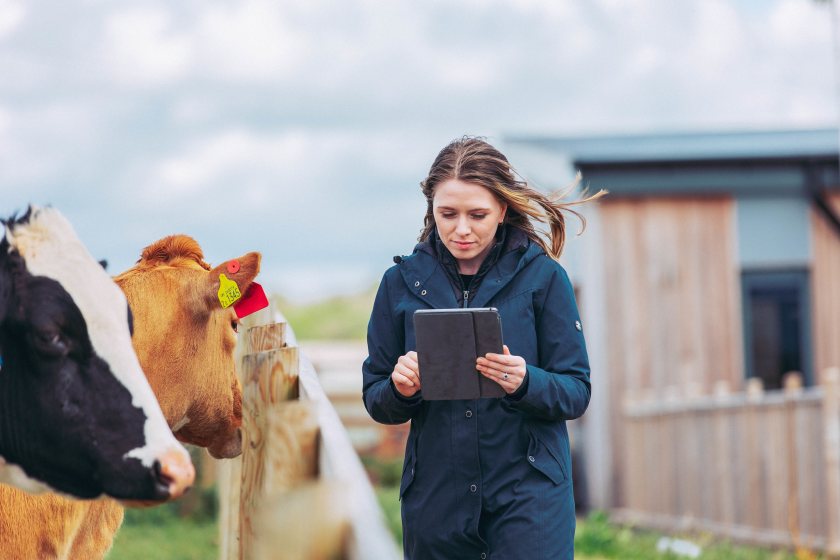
<point x="185" y="340"/>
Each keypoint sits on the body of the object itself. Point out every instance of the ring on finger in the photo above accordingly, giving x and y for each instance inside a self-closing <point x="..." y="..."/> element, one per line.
<point x="505" y="376"/>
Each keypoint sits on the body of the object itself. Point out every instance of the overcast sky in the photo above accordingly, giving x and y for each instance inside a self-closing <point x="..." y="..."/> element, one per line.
<point x="302" y="128"/>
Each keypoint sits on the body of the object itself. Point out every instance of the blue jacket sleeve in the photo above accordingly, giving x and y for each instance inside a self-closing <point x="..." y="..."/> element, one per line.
<point x="558" y="388"/>
<point x="386" y="341"/>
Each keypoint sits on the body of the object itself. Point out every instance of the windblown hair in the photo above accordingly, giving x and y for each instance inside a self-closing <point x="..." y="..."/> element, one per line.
<point x="473" y="160"/>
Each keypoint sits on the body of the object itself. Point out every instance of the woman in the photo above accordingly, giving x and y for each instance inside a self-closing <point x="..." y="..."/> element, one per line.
<point x="486" y="478"/>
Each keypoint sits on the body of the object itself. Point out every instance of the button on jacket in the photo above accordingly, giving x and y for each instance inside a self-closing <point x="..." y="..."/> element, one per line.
<point x="485" y="478"/>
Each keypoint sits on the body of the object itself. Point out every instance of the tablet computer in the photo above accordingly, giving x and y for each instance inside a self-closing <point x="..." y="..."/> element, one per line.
<point x="448" y="343"/>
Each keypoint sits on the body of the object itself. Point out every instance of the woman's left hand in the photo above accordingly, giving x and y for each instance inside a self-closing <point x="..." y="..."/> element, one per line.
<point x="505" y="369"/>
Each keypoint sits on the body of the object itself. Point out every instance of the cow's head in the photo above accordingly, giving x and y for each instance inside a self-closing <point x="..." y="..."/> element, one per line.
<point x="185" y="339"/>
<point x="76" y="412"/>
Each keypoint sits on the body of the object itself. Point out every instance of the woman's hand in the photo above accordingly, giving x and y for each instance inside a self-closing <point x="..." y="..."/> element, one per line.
<point x="406" y="375"/>
<point x="505" y="369"/>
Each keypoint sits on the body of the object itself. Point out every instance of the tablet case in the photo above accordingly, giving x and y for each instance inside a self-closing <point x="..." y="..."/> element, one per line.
<point x="448" y="343"/>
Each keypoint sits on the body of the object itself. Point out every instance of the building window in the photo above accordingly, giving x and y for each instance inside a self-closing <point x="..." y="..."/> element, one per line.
<point x="777" y="334"/>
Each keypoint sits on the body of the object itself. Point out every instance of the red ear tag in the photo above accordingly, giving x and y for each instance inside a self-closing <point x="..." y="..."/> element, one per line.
<point x="233" y="266"/>
<point x="253" y="300"/>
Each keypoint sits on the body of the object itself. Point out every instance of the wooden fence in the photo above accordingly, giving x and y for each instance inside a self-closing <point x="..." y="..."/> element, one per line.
<point x="299" y="490"/>
<point x="759" y="467"/>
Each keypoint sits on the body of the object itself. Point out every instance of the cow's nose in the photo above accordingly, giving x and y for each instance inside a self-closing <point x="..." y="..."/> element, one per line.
<point x="227" y="447"/>
<point x="174" y="473"/>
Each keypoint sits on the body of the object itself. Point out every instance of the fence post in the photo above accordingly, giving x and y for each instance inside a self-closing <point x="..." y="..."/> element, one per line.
<point x="229" y="472"/>
<point x="724" y="468"/>
<point x="268" y="378"/>
<point x="299" y="490"/>
<point x="831" y="435"/>
<point x="793" y="383"/>
<point x="262" y="338"/>
<point x="310" y="521"/>
<point x="754" y="432"/>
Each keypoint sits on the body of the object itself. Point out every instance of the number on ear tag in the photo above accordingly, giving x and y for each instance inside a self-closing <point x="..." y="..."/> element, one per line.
<point x="228" y="291"/>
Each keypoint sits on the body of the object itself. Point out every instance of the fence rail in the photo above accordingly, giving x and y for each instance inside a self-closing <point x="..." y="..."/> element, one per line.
<point x="299" y="491"/>
<point x="754" y="466"/>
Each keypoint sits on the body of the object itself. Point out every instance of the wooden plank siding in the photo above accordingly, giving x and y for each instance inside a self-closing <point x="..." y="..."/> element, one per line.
<point x="825" y="283"/>
<point x="672" y="291"/>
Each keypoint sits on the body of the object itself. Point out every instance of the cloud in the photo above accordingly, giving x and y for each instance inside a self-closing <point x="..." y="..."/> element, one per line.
<point x="791" y="25"/>
<point x="11" y="15"/>
<point x="144" y="49"/>
<point x="302" y="128"/>
<point x="41" y="146"/>
<point x="221" y="157"/>
<point x="297" y="162"/>
<point x="250" y="40"/>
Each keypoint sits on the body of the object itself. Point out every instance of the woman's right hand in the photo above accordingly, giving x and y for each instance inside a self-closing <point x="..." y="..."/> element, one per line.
<point x="406" y="375"/>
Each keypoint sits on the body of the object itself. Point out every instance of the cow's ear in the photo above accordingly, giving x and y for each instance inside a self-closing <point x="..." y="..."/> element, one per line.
<point x="229" y="281"/>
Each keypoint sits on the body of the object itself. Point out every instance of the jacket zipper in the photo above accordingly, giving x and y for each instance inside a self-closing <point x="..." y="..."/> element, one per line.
<point x="466" y="297"/>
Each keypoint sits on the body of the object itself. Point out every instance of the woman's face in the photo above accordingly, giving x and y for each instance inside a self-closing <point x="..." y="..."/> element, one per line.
<point x="467" y="216"/>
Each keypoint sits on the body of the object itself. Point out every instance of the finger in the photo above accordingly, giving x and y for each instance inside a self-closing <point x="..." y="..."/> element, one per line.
<point x="506" y="384"/>
<point x="495" y="376"/>
<point x="499" y="357"/>
<point x="496" y="372"/>
<point x="500" y="361"/>
<point x="494" y="368"/>
<point x="410" y="374"/>
<point x="411" y="361"/>
<point x="408" y="365"/>
<point x="406" y="372"/>
<point x="401" y="379"/>
<point x="506" y="349"/>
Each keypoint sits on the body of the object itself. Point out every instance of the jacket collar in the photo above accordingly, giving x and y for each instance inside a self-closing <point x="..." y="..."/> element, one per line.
<point x="450" y="264"/>
<point x="424" y="275"/>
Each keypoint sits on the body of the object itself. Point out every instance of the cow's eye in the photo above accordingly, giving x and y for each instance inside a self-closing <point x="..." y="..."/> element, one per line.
<point x="51" y="342"/>
<point x="235" y="326"/>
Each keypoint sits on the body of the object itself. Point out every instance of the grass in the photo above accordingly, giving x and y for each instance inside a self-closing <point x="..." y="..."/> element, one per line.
<point x="186" y="529"/>
<point x="389" y="500"/>
<point x="336" y="318"/>
<point x="160" y="533"/>
<point x="598" y="539"/>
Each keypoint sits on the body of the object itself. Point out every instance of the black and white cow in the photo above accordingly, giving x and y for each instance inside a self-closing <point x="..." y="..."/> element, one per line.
<point x="76" y="412"/>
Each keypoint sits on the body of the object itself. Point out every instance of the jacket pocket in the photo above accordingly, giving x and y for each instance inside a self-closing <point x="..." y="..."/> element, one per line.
<point x="408" y="466"/>
<point x="542" y="459"/>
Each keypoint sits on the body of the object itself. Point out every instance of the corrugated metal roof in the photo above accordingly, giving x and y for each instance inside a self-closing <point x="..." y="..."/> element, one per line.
<point x="697" y="146"/>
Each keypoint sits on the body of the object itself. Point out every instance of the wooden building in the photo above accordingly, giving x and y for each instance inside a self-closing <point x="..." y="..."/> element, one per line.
<point x="715" y="259"/>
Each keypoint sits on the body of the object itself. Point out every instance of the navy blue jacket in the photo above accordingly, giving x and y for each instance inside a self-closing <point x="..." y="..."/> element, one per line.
<point x="485" y="478"/>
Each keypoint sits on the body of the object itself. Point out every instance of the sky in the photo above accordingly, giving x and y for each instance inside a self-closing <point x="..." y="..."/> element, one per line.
<point x="302" y="128"/>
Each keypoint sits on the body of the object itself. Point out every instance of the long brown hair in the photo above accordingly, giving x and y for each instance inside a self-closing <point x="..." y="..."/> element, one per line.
<point x="473" y="160"/>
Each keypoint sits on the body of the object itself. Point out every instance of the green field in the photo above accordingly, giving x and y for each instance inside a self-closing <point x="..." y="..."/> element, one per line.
<point x="161" y="534"/>
<point x="597" y="539"/>
<point x="336" y="318"/>
<point x="174" y="540"/>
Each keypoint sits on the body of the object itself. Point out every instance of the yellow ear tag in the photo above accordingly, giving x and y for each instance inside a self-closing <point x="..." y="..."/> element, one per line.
<point x="228" y="291"/>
